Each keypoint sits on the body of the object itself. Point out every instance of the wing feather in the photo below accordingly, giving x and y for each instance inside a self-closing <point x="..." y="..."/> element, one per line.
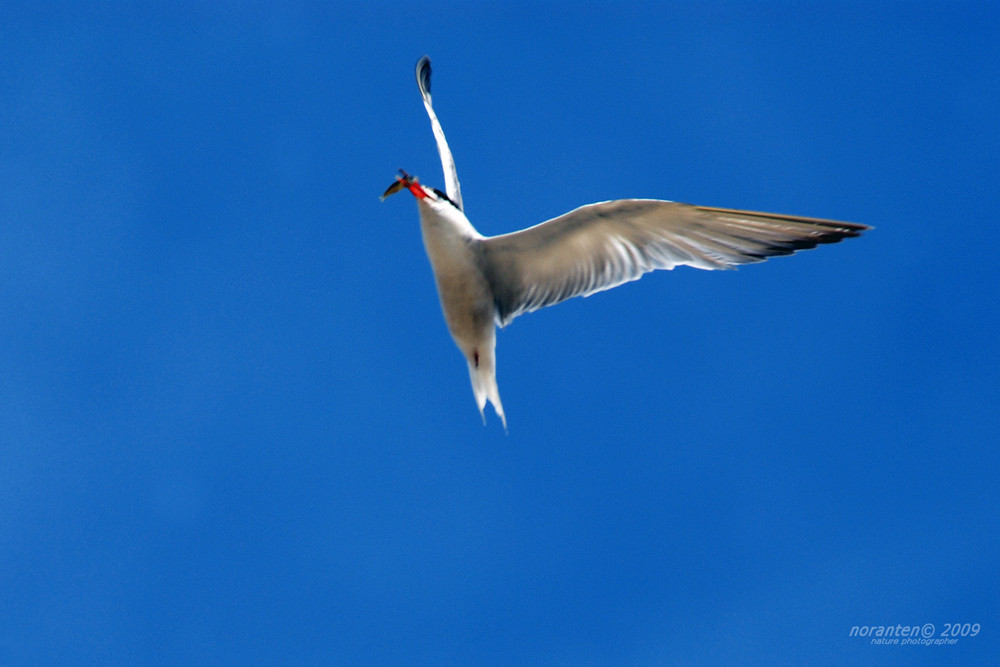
<point x="447" y="161"/>
<point x="599" y="246"/>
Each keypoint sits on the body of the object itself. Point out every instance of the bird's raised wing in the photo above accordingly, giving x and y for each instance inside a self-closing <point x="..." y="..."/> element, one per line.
<point x="599" y="246"/>
<point x="447" y="161"/>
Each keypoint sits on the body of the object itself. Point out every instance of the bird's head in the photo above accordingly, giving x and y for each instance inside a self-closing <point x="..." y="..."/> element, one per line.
<point x="423" y="193"/>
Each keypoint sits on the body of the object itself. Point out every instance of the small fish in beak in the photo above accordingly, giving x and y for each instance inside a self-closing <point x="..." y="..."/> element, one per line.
<point x="402" y="182"/>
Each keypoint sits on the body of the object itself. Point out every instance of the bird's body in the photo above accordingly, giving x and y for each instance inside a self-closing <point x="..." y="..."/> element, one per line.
<point x="487" y="281"/>
<point x="454" y="249"/>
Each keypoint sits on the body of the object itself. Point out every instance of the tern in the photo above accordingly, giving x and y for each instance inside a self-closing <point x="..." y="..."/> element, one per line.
<point x="487" y="281"/>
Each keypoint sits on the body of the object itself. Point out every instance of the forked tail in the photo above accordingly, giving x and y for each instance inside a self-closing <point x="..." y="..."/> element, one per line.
<point x="484" y="386"/>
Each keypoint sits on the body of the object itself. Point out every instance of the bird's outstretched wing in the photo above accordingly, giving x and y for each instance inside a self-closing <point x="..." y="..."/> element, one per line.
<point x="447" y="161"/>
<point x="599" y="246"/>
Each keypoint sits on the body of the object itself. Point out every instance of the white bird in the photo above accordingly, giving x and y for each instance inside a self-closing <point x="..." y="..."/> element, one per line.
<point x="486" y="281"/>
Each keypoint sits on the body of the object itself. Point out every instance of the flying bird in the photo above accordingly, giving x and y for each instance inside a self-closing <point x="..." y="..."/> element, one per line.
<point x="484" y="281"/>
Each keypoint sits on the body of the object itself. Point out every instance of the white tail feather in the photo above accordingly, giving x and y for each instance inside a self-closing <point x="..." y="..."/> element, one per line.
<point x="484" y="386"/>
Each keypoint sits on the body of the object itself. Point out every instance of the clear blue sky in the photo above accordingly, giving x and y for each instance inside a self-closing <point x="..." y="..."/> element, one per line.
<point x="234" y="429"/>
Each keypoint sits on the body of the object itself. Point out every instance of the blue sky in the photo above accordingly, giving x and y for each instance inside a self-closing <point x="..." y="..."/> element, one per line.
<point x="234" y="429"/>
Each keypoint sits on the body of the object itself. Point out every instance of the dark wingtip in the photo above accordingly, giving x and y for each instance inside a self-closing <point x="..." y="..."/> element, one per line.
<point x="424" y="76"/>
<point x="838" y="231"/>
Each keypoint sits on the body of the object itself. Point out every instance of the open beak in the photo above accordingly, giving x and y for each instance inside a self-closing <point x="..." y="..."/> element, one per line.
<point x="402" y="182"/>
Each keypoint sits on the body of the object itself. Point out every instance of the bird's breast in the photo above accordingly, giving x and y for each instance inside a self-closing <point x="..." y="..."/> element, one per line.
<point x="465" y="295"/>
